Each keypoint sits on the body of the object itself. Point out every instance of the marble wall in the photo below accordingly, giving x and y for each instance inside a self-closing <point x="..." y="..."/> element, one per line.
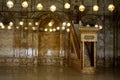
<point x="49" y="44"/>
<point x="26" y="43"/>
<point x="23" y="46"/>
<point x="6" y="43"/>
<point x="49" y="48"/>
<point x="105" y="45"/>
<point x="18" y="47"/>
<point x="28" y="47"/>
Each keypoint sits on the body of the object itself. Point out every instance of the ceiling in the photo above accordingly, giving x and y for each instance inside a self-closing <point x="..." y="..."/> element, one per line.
<point x="17" y="13"/>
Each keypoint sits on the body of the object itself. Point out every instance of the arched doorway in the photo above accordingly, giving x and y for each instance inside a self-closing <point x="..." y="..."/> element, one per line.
<point x="52" y="40"/>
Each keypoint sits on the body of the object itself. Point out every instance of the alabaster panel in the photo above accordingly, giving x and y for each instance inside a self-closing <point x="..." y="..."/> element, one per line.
<point x="30" y="44"/>
<point x="17" y="38"/>
<point x="105" y="46"/>
<point x="35" y="44"/>
<point x="6" y="43"/>
<point x="49" y="44"/>
<point x="29" y="40"/>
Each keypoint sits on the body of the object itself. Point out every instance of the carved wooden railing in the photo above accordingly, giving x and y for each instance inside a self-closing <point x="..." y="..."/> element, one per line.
<point x="75" y="40"/>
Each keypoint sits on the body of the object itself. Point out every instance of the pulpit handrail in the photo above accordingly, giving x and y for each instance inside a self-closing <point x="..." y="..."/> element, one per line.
<point x="76" y="40"/>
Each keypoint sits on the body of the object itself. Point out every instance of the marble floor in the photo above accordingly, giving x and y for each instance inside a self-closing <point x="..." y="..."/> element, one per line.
<point x="54" y="73"/>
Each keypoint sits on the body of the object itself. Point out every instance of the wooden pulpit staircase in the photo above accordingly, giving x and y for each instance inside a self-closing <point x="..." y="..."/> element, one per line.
<point x="84" y="40"/>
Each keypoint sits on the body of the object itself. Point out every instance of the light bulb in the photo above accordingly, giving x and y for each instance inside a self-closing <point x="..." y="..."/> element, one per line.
<point x="10" y="4"/>
<point x="100" y="27"/>
<point x="68" y="24"/>
<point x="21" y="23"/>
<point x="51" y="23"/>
<point x="30" y="24"/>
<point x="64" y="24"/>
<point x="33" y="28"/>
<point x="111" y="7"/>
<point x="95" y="8"/>
<point x="46" y="30"/>
<point x="9" y="27"/>
<point x="96" y="26"/>
<point x="50" y="30"/>
<point x="63" y="28"/>
<point x="2" y="26"/>
<point x="25" y="28"/>
<point x="81" y="8"/>
<point x="39" y="6"/>
<point x="54" y="29"/>
<point x="11" y="24"/>
<point x="87" y="25"/>
<point x="36" y="23"/>
<point x="58" y="28"/>
<point x="53" y="8"/>
<point x="24" y="4"/>
<point x="67" y="6"/>
<point x="68" y="30"/>
<point x="17" y="27"/>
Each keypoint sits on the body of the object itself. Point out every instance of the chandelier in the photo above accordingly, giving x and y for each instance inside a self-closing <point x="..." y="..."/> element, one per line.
<point x="111" y="7"/>
<point x="95" y="8"/>
<point x="82" y="8"/>
<point x="51" y="7"/>
<point x="67" y="6"/>
<point x="39" y="6"/>
<point x="10" y="4"/>
<point x="24" y="4"/>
